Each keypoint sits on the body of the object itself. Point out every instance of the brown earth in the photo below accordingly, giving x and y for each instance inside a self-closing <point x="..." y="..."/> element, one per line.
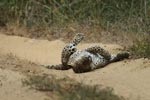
<point x="129" y="78"/>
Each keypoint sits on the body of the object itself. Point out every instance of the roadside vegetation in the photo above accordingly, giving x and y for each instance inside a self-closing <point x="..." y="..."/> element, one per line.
<point x="120" y="20"/>
<point x="141" y="49"/>
<point x="129" y="15"/>
<point x="68" y="89"/>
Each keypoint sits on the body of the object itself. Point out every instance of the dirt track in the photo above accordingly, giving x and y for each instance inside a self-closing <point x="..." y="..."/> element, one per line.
<point x="129" y="78"/>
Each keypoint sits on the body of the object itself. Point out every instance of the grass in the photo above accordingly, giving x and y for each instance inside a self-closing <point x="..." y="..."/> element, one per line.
<point x="52" y="19"/>
<point x="127" y="15"/>
<point x="68" y="89"/>
<point x="141" y="48"/>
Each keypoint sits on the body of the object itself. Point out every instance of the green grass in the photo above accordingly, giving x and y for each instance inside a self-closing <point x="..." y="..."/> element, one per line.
<point x="52" y="19"/>
<point x="141" y="48"/>
<point x="68" y="89"/>
<point x="126" y="15"/>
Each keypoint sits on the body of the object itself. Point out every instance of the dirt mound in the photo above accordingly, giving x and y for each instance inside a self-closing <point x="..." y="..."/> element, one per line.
<point x="129" y="78"/>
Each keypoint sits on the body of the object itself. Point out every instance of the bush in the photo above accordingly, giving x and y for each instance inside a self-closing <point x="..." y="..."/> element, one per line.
<point x="68" y="89"/>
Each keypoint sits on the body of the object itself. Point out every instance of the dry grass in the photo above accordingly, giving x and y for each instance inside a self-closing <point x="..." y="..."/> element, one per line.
<point x="68" y="89"/>
<point x="107" y="21"/>
<point x="141" y="48"/>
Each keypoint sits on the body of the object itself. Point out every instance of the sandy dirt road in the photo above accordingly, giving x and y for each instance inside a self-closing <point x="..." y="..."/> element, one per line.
<point x="129" y="78"/>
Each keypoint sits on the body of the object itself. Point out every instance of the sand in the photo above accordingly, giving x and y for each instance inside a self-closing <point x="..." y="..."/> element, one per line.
<point x="128" y="78"/>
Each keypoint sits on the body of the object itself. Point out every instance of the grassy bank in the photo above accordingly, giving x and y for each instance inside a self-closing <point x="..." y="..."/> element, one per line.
<point x="141" y="48"/>
<point x="107" y="21"/>
<point x="126" y="15"/>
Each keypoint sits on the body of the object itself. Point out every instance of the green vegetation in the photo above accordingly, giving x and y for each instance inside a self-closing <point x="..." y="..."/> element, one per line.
<point x="127" y="15"/>
<point x="50" y="18"/>
<point x="68" y="89"/>
<point x="141" y="49"/>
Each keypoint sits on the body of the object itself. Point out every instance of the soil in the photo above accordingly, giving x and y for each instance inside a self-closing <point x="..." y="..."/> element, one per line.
<point x="129" y="78"/>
